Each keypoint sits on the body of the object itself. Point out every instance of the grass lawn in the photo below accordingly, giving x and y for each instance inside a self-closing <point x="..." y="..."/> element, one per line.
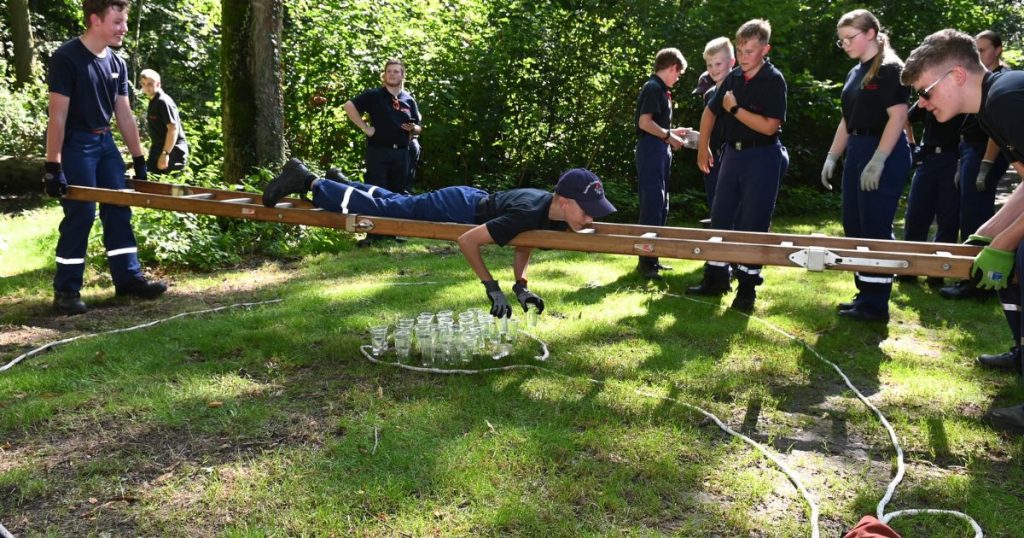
<point x="268" y="421"/>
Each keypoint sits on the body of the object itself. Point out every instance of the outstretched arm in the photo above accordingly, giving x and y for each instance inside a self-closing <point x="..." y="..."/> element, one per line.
<point x="521" y="261"/>
<point x="470" y="243"/>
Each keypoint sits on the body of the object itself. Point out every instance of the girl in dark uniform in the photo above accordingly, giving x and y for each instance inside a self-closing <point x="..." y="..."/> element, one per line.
<point x="877" y="153"/>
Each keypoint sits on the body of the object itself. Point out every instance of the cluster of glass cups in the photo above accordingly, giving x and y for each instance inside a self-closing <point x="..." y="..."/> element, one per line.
<point x="445" y="340"/>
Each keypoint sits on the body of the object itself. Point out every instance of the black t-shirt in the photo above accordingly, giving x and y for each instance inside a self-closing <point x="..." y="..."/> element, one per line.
<point x="387" y="114"/>
<point x="765" y="94"/>
<point x="656" y="100"/>
<point x="92" y="83"/>
<point x="865" y="108"/>
<point x="970" y="130"/>
<point x="936" y="133"/>
<point x="161" y="112"/>
<point x="512" y="212"/>
<point x="718" y="132"/>
<point x="1002" y="111"/>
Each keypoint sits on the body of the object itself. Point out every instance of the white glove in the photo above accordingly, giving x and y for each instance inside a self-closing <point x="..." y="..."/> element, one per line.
<point x="979" y="182"/>
<point x="872" y="174"/>
<point x="829" y="169"/>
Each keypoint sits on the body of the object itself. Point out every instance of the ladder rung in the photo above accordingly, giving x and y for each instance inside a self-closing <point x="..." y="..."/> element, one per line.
<point x="239" y="201"/>
<point x="200" y="196"/>
<point x="284" y="205"/>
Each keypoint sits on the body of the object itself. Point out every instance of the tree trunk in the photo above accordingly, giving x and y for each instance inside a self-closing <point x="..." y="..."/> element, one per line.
<point x="21" y="34"/>
<point x="252" y="92"/>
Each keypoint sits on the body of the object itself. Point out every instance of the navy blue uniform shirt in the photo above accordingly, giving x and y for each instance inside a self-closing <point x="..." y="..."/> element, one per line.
<point x="512" y="212"/>
<point x="970" y="130"/>
<point x="765" y="94"/>
<point x="1002" y="111"/>
<point x="387" y="114"/>
<point x="718" y="132"/>
<point x="656" y="100"/>
<point x="161" y="112"/>
<point x="945" y="135"/>
<point x="91" y="82"/>
<point x="865" y="108"/>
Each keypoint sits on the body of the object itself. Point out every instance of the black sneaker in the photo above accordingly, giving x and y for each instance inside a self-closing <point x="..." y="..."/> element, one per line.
<point x="295" y="178"/>
<point x="68" y="303"/>
<point x="141" y="288"/>
<point x="1001" y="361"/>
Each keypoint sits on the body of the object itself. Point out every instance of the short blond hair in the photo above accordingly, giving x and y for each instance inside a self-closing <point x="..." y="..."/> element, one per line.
<point x="759" y="29"/>
<point x="149" y="74"/>
<point x="717" y="45"/>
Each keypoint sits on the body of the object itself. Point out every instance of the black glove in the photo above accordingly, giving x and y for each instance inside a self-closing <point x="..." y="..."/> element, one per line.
<point x="917" y="153"/>
<point x="139" y="164"/>
<point x="527" y="297"/>
<point x="499" y="304"/>
<point x="54" y="182"/>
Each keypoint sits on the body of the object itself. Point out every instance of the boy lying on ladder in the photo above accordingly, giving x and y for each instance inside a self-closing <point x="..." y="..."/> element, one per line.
<point x="577" y="200"/>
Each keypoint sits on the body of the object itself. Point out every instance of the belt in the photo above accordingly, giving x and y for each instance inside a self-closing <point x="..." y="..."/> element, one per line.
<point x="101" y="130"/>
<point x="929" y="150"/>
<point x="392" y="146"/>
<point x="866" y="132"/>
<point x="751" y="144"/>
<point x="480" y="215"/>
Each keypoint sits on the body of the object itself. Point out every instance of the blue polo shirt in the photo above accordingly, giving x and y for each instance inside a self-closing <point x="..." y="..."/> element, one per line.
<point x="387" y="114"/>
<point x="865" y="108"/>
<point x="91" y="82"/>
<point x="764" y="94"/>
<point x="655" y="99"/>
<point x="1002" y="111"/>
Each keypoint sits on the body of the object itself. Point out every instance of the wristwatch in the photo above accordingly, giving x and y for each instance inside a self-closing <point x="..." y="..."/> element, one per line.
<point x="165" y="153"/>
<point x="734" y="109"/>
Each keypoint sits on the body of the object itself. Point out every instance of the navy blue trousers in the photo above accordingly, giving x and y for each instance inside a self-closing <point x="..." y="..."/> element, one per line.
<point x="388" y="167"/>
<point x="92" y="160"/>
<point x="653" y="163"/>
<point x="450" y="204"/>
<point x="745" y="194"/>
<point x="976" y="206"/>
<point x="869" y="214"/>
<point x="933" y="195"/>
<point x="711" y="179"/>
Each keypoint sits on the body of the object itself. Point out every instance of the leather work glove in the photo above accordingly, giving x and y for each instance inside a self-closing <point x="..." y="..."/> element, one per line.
<point x="139" y="164"/>
<point x="978" y="240"/>
<point x="872" y="174"/>
<point x="527" y="297"/>
<point x="979" y="182"/>
<point x="54" y="182"/>
<point x="995" y="266"/>
<point x="829" y="169"/>
<point x="499" y="304"/>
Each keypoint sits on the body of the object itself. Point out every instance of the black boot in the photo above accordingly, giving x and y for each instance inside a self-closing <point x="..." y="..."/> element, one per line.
<point x="68" y="303"/>
<point x="745" y="297"/>
<point x="1001" y="361"/>
<point x="335" y="175"/>
<point x="965" y="289"/>
<point x="1007" y="418"/>
<point x="141" y="288"/>
<point x="715" y="283"/>
<point x="295" y="178"/>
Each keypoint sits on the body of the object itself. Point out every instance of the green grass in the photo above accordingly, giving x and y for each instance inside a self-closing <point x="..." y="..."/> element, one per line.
<point x="116" y="433"/>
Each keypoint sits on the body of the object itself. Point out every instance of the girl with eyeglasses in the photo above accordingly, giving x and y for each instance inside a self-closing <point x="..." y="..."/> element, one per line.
<point x="878" y="158"/>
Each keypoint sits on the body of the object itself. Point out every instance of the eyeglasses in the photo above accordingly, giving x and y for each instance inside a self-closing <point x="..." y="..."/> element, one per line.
<point x="926" y="93"/>
<point x="846" y="40"/>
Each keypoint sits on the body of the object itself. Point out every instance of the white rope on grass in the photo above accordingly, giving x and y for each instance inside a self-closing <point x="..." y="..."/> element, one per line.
<point x="721" y="425"/>
<point x="58" y="343"/>
<point x="900" y="465"/>
<point x="4" y="533"/>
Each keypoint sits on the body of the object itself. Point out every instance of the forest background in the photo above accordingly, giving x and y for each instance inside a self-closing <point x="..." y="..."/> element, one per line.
<point x="512" y="92"/>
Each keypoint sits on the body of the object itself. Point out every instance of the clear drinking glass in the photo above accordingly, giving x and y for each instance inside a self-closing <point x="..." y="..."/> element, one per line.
<point x="403" y="342"/>
<point x="379" y="339"/>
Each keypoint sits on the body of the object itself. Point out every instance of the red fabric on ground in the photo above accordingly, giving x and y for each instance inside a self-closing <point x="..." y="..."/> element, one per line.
<point x="869" y="527"/>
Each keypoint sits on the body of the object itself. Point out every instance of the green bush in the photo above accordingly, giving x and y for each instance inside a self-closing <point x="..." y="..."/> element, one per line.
<point x="22" y="118"/>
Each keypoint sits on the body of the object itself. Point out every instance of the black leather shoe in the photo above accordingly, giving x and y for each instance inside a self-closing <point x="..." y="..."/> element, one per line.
<point x="1001" y="361"/>
<point x="141" y="288"/>
<point x="68" y="303"/>
<point x="861" y="312"/>
<point x="648" y="271"/>
<point x="295" y="178"/>
<point x="336" y="175"/>
<point x="661" y="267"/>
<point x="744" y="300"/>
<point x="709" y="287"/>
<point x="965" y="289"/>
<point x="1007" y="418"/>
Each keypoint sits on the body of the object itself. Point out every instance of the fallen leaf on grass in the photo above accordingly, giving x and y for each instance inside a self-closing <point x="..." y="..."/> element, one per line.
<point x="215" y="404"/>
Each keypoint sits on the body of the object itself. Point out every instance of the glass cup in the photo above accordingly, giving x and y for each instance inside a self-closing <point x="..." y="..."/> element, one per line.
<point x="425" y="344"/>
<point x="406" y="323"/>
<point x="532" y="317"/>
<point x="379" y="339"/>
<point x="403" y="343"/>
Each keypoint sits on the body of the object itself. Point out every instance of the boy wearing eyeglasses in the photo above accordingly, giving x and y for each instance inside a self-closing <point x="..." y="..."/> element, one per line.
<point x="949" y="69"/>
<point x="878" y="158"/>
<point x="751" y="104"/>
<point x="394" y="120"/>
